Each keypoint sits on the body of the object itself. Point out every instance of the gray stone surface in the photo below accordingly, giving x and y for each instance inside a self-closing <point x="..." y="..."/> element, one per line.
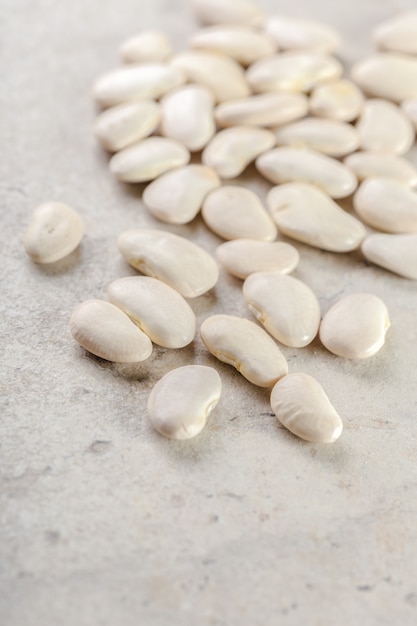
<point x="103" y="522"/>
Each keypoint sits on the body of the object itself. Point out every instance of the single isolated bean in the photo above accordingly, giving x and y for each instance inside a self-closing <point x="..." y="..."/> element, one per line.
<point x="302" y="406"/>
<point x="55" y="230"/>
<point x="355" y="327"/>
<point x="146" y="47"/>
<point x="181" y="401"/>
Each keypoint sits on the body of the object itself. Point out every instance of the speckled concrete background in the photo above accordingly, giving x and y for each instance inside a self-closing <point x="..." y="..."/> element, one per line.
<point x="103" y="522"/>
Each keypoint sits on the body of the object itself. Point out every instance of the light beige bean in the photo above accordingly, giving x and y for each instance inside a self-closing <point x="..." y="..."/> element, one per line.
<point x="148" y="159"/>
<point x="291" y="33"/>
<point x="180" y="263"/>
<point x="177" y="196"/>
<point x="387" y="205"/>
<point x="373" y="165"/>
<point x="383" y="127"/>
<point x="234" y="212"/>
<point x="246" y="346"/>
<point x="181" y="401"/>
<point x="55" y="230"/>
<point x="136" y="82"/>
<point x="287" y="308"/>
<point x="233" y="149"/>
<point x="301" y="405"/>
<point x="396" y="253"/>
<point x="338" y="100"/>
<point x="220" y="74"/>
<point x="146" y="47"/>
<point x="243" y="257"/>
<point x="410" y="109"/>
<point x="305" y="213"/>
<point x="104" y="330"/>
<point x="122" y="125"/>
<point x="355" y="327"/>
<point x="329" y="137"/>
<point x="187" y="116"/>
<point x="284" y="165"/>
<point x="230" y="12"/>
<point x="158" y="309"/>
<point x="398" y="34"/>
<point x="242" y="43"/>
<point x="268" y="109"/>
<point x="292" y="72"/>
<point x="387" y="75"/>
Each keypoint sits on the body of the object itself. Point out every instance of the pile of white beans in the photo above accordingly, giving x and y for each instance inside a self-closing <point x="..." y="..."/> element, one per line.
<point x="250" y="88"/>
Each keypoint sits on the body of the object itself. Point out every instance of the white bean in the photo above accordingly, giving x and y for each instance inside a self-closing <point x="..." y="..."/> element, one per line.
<point x="122" y="125"/>
<point x="387" y="75"/>
<point x="355" y="327"/>
<point x="303" y="212"/>
<point x="398" y="34"/>
<point x="284" y="165"/>
<point x="243" y="257"/>
<point x="136" y="82"/>
<point x="177" y="196"/>
<point x="230" y="12"/>
<point x="387" y="205"/>
<point x="292" y="72"/>
<point x="267" y="109"/>
<point x="396" y="253"/>
<point x="292" y="33"/>
<point x="242" y="43"/>
<point x="375" y="165"/>
<point x="232" y="149"/>
<point x="148" y="159"/>
<point x="55" y="230"/>
<point x="338" y="100"/>
<point x="181" y="401"/>
<point x="104" y="330"/>
<point x="329" y="137"/>
<point x="301" y="405"/>
<point x="222" y="75"/>
<point x="158" y="309"/>
<point x="287" y="308"/>
<point x="145" y="47"/>
<point x="383" y="127"/>
<point x="234" y="212"/>
<point x="180" y="263"/>
<point x="246" y="346"/>
<point x="187" y="116"/>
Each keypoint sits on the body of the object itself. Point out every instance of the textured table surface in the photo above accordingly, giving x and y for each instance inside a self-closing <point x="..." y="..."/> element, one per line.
<point x="105" y="523"/>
